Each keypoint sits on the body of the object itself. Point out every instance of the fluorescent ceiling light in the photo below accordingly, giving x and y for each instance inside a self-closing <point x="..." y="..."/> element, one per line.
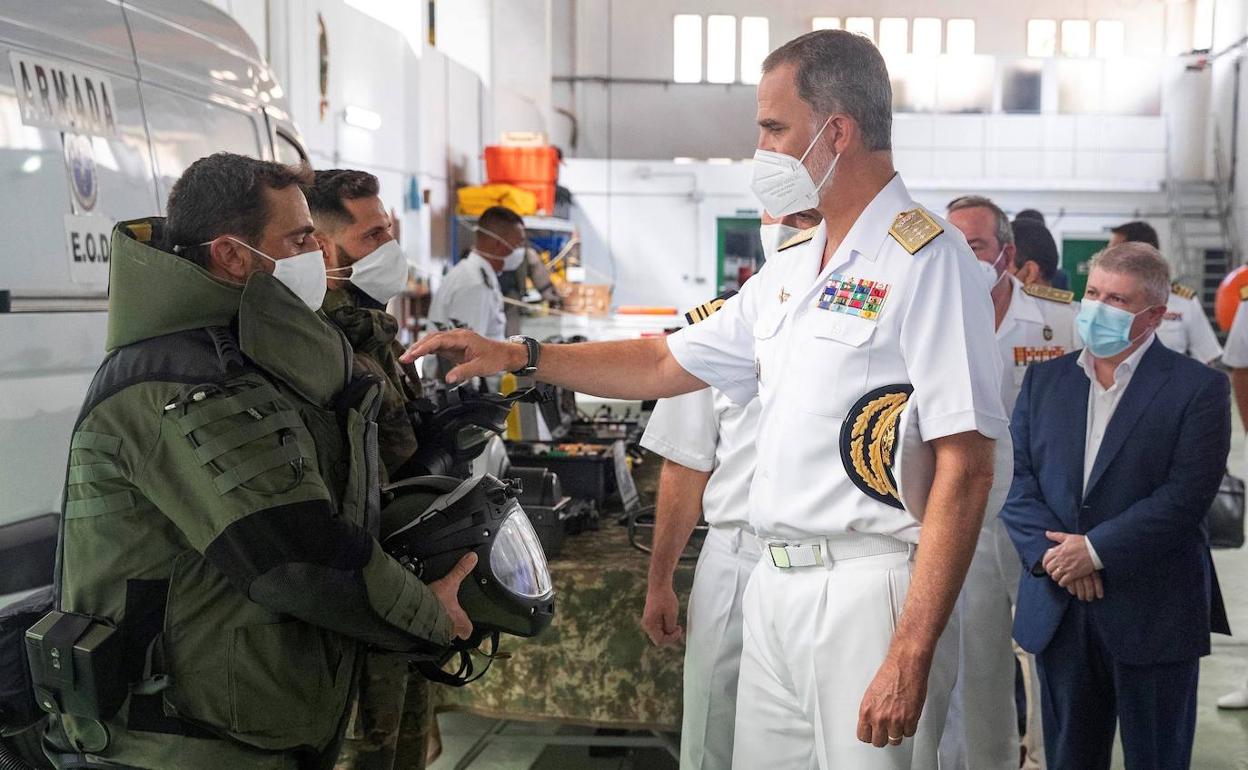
<point x="361" y="118"/>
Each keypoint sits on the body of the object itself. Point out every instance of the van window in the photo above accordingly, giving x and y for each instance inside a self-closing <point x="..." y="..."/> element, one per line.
<point x="288" y="151"/>
<point x="183" y="130"/>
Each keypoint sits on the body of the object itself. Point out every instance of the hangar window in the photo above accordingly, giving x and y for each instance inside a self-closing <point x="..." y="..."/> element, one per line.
<point x="755" y="44"/>
<point x="1076" y="38"/>
<point x="1041" y="38"/>
<point x="861" y="25"/>
<point x="925" y="37"/>
<point x="894" y="36"/>
<point x="721" y="49"/>
<point x="825" y="22"/>
<point x="687" y="48"/>
<point x="960" y="37"/>
<point x="1110" y="38"/>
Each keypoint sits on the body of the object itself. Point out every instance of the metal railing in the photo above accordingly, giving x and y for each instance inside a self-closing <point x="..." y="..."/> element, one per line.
<point x="1227" y="219"/>
<point x="1174" y="205"/>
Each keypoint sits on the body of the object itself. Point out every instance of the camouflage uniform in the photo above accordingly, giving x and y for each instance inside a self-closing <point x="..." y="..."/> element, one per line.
<point x="389" y="728"/>
<point x="219" y="509"/>
<point x="373" y="334"/>
<point x="594" y="665"/>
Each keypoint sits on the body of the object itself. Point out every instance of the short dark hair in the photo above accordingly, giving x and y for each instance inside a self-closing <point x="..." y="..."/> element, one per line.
<point x="1034" y="243"/>
<point x="838" y="71"/>
<point x="496" y="218"/>
<point x="1031" y="214"/>
<point x="1137" y="232"/>
<point x="223" y="193"/>
<point x="333" y="186"/>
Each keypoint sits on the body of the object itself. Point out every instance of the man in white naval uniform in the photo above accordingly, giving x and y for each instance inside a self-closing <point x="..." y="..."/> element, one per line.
<point x="844" y="642"/>
<point x="470" y="293"/>
<point x="1033" y="324"/>
<point x="1185" y="327"/>
<point x="707" y="445"/>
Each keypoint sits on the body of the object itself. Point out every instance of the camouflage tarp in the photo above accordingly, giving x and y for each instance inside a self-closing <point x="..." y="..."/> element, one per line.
<point x="594" y="665"/>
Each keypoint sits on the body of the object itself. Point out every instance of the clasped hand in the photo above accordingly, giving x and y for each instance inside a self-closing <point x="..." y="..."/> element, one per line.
<point x="1070" y="566"/>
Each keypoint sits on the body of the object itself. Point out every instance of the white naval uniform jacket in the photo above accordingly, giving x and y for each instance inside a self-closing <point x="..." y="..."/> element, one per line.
<point x="1185" y="329"/>
<point x="705" y="431"/>
<point x="809" y="364"/>
<point x="470" y="293"/>
<point x="1033" y="330"/>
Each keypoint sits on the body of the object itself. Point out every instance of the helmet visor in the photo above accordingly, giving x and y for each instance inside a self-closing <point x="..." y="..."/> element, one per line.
<point x="517" y="559"/>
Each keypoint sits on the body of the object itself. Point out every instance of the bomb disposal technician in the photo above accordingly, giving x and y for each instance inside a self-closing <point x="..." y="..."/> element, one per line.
<point x="844" y="622"/>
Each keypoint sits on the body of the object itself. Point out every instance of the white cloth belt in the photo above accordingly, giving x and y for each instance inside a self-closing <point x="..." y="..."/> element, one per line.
<point x="825" y="551"/>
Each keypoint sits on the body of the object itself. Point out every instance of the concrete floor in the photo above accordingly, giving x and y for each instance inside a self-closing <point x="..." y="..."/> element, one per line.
<point x="1221" y="736"/>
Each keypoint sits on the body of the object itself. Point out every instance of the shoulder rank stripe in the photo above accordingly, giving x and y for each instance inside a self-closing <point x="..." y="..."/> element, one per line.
<point x="1049" y="293"/>
<point x="1186" y="292"/>
<point x="914" y="229"/>
<point x="708" y="309"/>
<point x="799" y="239"/>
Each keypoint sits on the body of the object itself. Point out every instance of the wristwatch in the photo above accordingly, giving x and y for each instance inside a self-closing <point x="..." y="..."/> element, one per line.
<point x="535" y="353"/>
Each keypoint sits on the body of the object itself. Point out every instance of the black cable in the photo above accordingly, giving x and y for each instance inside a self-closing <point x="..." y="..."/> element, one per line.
<point x="11" y="761"/>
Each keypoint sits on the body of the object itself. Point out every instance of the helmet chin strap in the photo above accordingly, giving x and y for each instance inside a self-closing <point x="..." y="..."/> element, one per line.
<point x="466" y="673"/>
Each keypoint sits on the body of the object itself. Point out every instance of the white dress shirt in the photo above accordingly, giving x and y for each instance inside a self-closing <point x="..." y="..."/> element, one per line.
<point x="706" y="431"/>
<point x="470" y="293"/>
<point x="1102" y="403"/>
<point x="809" y="360"/>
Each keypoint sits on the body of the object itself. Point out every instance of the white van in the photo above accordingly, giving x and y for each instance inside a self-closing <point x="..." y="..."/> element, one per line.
<point x="103" y="104"/>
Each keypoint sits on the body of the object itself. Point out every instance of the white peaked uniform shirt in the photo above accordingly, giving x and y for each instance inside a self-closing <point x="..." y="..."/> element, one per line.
<point x="1033" y="330"/>
<point x="470" y="293"/>
<point x="707" y="432"/>
<point x="1236" y="355"/>
<point x="1186" y="329"/>
<point x="808" y="344"/>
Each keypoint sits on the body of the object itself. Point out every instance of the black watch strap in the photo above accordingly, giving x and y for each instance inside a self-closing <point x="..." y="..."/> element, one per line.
<point x="534" y="349"/>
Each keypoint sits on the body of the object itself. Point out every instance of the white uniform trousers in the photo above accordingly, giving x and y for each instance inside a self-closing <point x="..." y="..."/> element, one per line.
<point x="981" y="732"/>
<point x="814" y="638"/>
<point x="713" y="647"/>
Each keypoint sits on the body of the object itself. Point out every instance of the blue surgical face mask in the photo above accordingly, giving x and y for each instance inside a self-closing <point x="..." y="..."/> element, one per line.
<point x="1106" y="330"/>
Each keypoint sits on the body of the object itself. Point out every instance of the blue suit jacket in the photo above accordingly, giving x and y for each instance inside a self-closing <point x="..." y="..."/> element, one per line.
<point x="1158" y="469"/>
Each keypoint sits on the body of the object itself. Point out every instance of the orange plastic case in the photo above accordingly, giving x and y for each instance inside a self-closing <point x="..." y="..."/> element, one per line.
<point x="1227" y="300"/>
<point x="531" y="165"/>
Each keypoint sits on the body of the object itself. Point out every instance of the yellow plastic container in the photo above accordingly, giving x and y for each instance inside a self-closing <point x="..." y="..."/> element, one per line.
<point x="473" y="201"/>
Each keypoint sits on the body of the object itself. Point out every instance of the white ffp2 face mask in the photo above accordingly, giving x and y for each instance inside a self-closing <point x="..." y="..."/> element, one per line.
<point x="513" y="260"/>
<point x="775" y="235"/>
<point x="989" y="270"/>
<point x="304" y="274"/>
<point x="783" y="184"/>
<point x="381" y="274"/>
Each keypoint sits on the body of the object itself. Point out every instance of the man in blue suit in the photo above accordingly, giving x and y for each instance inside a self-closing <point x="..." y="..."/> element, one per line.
<point x="1118" y="453"/>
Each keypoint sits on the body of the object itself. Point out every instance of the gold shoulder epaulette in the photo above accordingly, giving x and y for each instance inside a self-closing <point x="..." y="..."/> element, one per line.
<point x="708" y="309"/>
<point x="799" y="239"/>
<point x="1186" y="292"/>
<point x="1049" y="293"/>
<point x="1243" y="292"/>
<point x="914" y="229"/>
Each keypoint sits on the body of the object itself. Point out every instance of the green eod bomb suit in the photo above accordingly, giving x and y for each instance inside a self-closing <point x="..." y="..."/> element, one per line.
<point x="221" y="511"/>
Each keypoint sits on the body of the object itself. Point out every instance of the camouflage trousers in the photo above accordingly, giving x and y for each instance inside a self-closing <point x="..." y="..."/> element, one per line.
<point x="391" y="720"/>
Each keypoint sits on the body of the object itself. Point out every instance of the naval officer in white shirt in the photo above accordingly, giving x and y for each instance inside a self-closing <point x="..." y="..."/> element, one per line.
<point x="1184" y="328"/>
<point x="707" y="445"/>
<point x="844" y="639"/>
<point x="1033" y="323"/>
